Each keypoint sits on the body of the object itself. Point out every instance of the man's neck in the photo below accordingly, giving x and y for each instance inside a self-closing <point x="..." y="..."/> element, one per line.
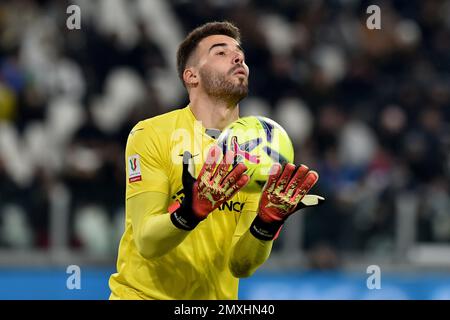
<point x="214" y="113"/>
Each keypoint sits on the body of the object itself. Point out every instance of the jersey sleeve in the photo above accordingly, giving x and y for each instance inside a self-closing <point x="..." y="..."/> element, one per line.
<point x="146" y="168"/>
<point x="248" y="214"/>
<point x="247" y="252"/>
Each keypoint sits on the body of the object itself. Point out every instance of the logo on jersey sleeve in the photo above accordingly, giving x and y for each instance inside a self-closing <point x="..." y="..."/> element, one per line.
<point x="134" y="168"/>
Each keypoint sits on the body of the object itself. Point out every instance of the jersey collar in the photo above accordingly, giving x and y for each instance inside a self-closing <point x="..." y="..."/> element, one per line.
<point x="210" y="133"/>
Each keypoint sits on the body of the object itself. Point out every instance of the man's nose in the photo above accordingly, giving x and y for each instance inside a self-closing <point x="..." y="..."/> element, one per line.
<point x="238" y="58"/>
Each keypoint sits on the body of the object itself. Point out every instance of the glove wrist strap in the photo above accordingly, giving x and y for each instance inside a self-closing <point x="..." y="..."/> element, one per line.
<point x="184" y="219"/>
<point x="265" y="230"/>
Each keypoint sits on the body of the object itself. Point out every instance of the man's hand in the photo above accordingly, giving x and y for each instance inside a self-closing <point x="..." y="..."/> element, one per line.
<point x="282" y="195"/>
<point x="214" y="185"/>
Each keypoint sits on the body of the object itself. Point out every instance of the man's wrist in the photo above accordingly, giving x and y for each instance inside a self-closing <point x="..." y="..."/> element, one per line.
<point x="263" y="230"/>
<point x="184" y="219"/>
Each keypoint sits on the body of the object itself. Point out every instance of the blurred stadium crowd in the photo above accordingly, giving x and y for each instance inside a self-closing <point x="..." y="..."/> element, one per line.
<point x="368" y="109"/>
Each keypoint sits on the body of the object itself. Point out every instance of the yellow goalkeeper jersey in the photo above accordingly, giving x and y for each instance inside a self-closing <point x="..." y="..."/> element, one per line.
<point x="198" y="267"/>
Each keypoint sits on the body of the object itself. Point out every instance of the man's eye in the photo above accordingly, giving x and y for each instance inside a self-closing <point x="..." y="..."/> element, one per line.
<point x="220" y="53"/>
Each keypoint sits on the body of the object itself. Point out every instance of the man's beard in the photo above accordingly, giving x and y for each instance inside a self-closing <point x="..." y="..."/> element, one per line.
<point x="217" y="85"/>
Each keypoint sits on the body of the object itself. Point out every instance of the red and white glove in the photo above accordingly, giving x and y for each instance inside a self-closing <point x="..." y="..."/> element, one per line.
<point x="284" y="193"/>
<point x="214" y="185"/>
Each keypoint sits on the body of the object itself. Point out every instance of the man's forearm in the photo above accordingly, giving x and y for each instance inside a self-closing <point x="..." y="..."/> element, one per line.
<point x="247" y="254"/>
<point x="157" y="236"/>
<point x="154" y="232"/>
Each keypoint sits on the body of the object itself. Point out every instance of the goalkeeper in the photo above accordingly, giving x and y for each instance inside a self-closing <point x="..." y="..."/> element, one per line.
<point x="189" y="232"/>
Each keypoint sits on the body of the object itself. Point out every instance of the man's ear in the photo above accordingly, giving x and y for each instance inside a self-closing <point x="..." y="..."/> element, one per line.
<point x="190" y="77"/>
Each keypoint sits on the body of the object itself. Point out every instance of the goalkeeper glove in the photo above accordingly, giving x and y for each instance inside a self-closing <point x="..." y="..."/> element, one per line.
<point x="214" y="185"/>
<point x="284" y="193"/>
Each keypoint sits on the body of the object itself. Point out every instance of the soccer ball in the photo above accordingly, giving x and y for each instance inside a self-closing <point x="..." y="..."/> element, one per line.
<point x="258" y="142"/>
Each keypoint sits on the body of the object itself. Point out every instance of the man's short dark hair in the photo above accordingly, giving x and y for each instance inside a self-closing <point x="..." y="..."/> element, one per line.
<point x="189" y="44"/>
